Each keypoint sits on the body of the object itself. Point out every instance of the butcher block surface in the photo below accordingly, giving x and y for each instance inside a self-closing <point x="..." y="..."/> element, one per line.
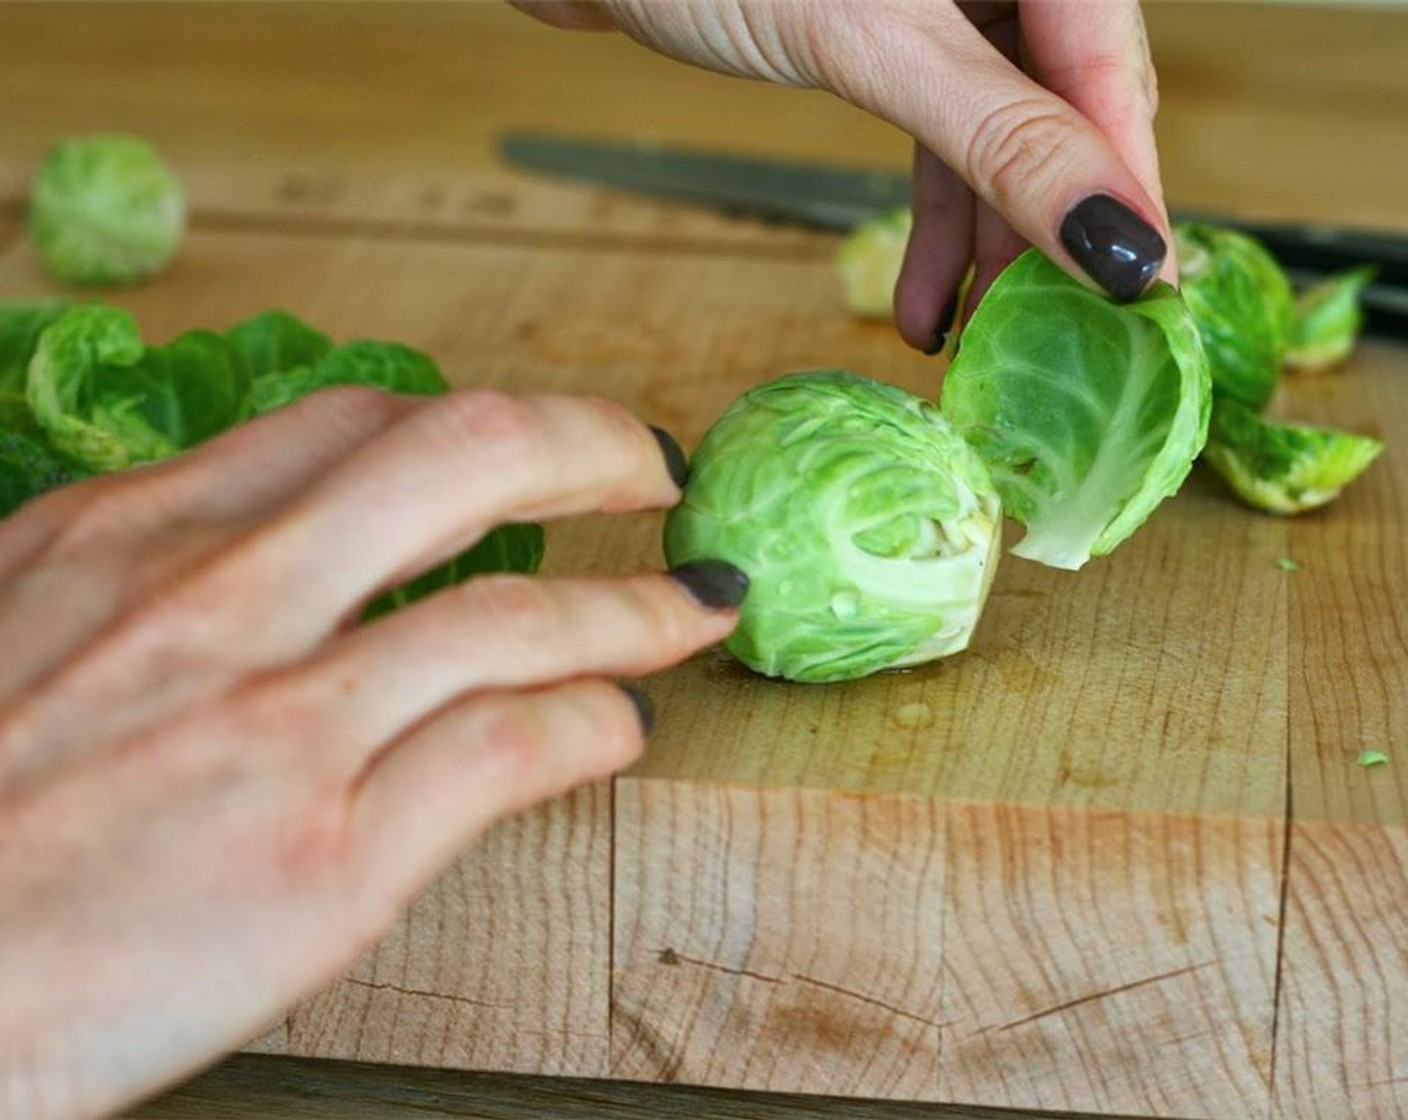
<point x="1116" y="858"/>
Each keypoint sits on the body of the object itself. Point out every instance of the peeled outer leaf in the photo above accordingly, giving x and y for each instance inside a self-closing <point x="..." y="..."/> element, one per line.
<point x="105" y="209"/>
<point x="20" y="327"/>
<point x="868" y="263"/>
<point x="1283" y="468"/>
<point x="274" y="341"/>
<point x="869" y="530"/>
<point x="1088" y="413"/>
<point x="1242" y="304"/>
<point x="509" y="548"/>
<point x="383" y="365"/>
<point x="29" y="468"/>
<point x="1328" y="320"/>
<point x="108" y="402"/>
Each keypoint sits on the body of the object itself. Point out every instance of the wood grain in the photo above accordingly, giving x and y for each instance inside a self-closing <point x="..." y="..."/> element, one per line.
<point x="1343" y="1024"/>
<point x="786" y="942"/>
<point x="500" y="964"/>
<point x="254" y="1087"/>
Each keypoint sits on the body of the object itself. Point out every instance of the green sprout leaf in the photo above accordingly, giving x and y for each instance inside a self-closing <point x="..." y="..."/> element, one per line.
<point x="29" y="468"/>
<point x="1367" y="759"/>
<point x="1286" y="564"/>
<point x="1087" y="412"/>
<point x="275" y="341"/>
<point x="105" y="209"/>
<point x="868" y="528"/>
<point x="868" y="263"/>
<point x="1283" y="468"/>
<point x="383" y="365"/>
<point x="1242" y="304"/>
<point x="108" y="402"/>
<point x="1328" y="320"/>
<point x="509" y="548"/>
<point x="20" y="327"/>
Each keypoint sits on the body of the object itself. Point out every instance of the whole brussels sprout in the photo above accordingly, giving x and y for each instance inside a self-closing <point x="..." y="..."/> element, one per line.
<point x="105" y="209"/>
<point x="868" y="528"/>
<point x="1242" y="304"/>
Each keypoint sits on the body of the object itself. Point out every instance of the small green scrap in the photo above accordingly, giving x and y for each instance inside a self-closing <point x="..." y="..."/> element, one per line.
<point x="1286" y="564"/>
<point x="1372" y="758"/>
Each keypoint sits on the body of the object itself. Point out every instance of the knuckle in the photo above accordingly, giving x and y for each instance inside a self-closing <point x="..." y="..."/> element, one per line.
<point x="519" y="610"/>
<point x="1016" y="148"/>
<point x="512" y="731"/>
<point x="500" y="427"/>
<point x="350" y="408"/>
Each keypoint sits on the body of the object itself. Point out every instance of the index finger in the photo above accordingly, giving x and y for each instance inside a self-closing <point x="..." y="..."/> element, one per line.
<point x="450" y="472"/>
<point x="1094" y="54"/>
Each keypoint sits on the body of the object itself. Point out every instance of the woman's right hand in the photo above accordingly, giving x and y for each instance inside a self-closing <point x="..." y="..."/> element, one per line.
<point x="216" y="789"/>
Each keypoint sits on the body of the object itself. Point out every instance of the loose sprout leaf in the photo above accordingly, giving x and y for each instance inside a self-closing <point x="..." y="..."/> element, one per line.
<point x="29" y="468"/>
<point x="1088" y="413"/>
<point x="868" y="263"/>
<point x="1367" y="759"/>
<point x="1283" y="468"/>
<point x="108" y="402"/>
<point x="869" y="530"/>
<point x="383" y="365"/>
<point x="105" y="209"/>
<point x="509" y="548"/>
<point x="20" y="327"/>
<point x="275" y="341"/>
<point x="1242" y="304"/>
<point x="1286" y="564"/>
<point x="1328" y="320"/>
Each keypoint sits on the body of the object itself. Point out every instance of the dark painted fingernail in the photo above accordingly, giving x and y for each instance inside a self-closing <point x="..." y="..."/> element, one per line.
<point x="645" y="710"/>
<point x="715" y="584"/>
<point x="1118" y="249"/>
<point x="945" y="324"/>
<point x="675" y="462"/>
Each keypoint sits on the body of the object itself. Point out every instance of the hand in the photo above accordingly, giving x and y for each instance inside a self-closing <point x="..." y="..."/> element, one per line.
<point x="1033" y="121"/>
<point x="215" y="788"/>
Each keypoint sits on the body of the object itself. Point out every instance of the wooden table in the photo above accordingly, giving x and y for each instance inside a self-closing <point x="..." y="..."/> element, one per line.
<point x="1117" y="859"/>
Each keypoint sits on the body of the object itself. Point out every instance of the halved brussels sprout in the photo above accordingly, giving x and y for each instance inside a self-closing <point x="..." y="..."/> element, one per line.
<point x="1283" y="468"/>
<point x="1328" y="320"/>
<point x="868" y="263"/>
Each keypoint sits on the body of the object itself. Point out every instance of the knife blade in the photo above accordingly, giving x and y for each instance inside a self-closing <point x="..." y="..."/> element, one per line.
<point x="840" y="197"/>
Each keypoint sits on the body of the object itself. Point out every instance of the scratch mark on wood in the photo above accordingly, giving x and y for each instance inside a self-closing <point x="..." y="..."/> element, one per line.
<point x="658" y="1053"/>
<point x="1093" y="996"/>
<point x="861" y="997"/>
<point x="384" y="987"/>
<point x="680" y="958"/>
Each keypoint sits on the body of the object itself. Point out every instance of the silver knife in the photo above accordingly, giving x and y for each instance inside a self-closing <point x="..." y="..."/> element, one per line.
<point x="839" y="197"/>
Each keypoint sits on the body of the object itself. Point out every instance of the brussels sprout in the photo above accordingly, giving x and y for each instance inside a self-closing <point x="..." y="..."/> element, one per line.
<point x="105" y="210"/>
<point x="868" y="528"/>
<point x="1328" y="320"/>
<point x="1283" y="468"/>
<point x="1242" y="304"/>
<point x="868" y="263"/>
<point x="1088" y="413"/>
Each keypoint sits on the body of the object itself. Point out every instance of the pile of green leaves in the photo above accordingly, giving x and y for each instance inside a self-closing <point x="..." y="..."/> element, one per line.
<point x="81" y="395"/>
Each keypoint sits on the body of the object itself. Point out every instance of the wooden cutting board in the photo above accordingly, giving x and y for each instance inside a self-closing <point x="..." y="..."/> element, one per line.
<point x="1117" y="858"/>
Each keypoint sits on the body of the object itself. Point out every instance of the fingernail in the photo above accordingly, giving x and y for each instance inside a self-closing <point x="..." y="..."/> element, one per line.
<point x="675" y="461"/>
<point x="945" y="324"/>
<point x="1118" y="249"/>
<point x="645" y="710"/>
<point x="715" y="584"/>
